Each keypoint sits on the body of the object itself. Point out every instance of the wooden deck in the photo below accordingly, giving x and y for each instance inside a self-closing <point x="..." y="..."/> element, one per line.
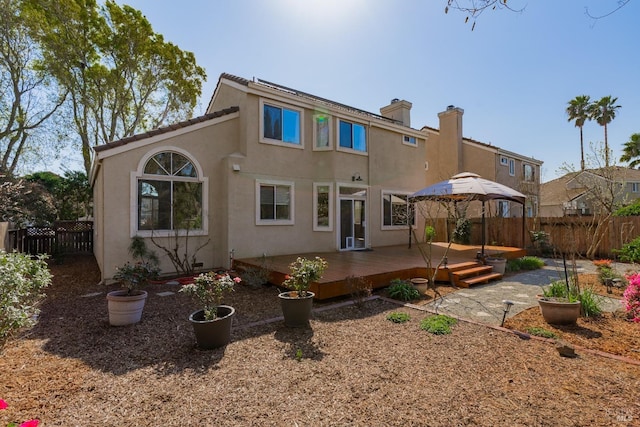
<point x="379" y="265"/>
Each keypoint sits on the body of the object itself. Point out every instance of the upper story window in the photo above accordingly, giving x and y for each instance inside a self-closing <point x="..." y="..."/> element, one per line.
<point x="635" y="187"/>
<point x="353" y="136"/>
<point x="504" y="161"/>
<point x="274" y="202"/>
<point x="169" y="194"/>
<point x="321" y="132"/>
<point x="528" y="173"/>
<point x="409" y="140"/>
<point x="512" y="167"/>
<point x="281" y="124"/>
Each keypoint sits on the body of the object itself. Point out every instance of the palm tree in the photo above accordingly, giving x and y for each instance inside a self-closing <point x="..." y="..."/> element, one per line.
<point x="578" y="110"/>
<point x="631" y="151"/>
<point x="603" y="111"/>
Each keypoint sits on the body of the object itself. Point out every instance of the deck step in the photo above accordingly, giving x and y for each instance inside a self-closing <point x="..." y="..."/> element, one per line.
<point x="477" y="280"/>
<point x="462" y="265"/>
<point x="474" y="271"/>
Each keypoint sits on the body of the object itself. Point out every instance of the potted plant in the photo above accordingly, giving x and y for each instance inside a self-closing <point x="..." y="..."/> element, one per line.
<point x="559" y="303"/>
<point x="212" y="323"/>
<point x="125" y="305"/>
<point x="297" y="303"/>
<point x="497" y="261"/>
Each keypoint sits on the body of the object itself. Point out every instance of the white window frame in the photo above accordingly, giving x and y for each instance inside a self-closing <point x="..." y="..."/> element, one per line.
<point x="533" y="172"/>
<point x="133" y="192"/>
<point x="384" y="226"/>
<point x="512" y="167"/>
<point x="316" y="147"/>
<point x="504" y="209"/>
<point x="291" y="220"/>
<point x="409" y="137"/>
<point x="278" y="142"/>
<point x="635" y="187"/>
<point x="504" y="161"/>
<point x="317" y="227"/>
<point x="351" y="150"/>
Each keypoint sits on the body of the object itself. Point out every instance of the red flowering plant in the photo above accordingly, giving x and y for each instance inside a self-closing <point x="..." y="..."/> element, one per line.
<point x="209" y="288"/>
<point x="30" y="423"/>
<point x="631" y="297"/>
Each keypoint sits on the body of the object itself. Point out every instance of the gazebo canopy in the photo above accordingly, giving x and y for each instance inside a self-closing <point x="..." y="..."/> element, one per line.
<point x="467" y="186"/>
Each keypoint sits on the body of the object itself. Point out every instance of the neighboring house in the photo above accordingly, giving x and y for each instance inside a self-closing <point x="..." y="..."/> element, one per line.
<point x="589" y="192"/>
<point x="270" y="170"/>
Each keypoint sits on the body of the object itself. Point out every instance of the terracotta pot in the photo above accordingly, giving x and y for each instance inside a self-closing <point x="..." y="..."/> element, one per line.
<point x="558" y="312"/>
<point x="296" y="310"/>
<point x="421" y="284"/>
<point x="213" y="333"/>
<point x="125" y="309"/>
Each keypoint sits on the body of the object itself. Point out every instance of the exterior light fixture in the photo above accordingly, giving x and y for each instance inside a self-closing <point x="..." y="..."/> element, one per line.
<point x="356" y="177"/>
<point x="506" y="306"/>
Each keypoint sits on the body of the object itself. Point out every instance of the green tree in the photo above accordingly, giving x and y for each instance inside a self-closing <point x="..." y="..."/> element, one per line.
<point x="122" y="77"/>
<point x="71" y="192"/>
<point x="631" y="151"/>
<point x="603" y="111"/>
<point x="26" y="102"/>
<point x="578" y="111"/>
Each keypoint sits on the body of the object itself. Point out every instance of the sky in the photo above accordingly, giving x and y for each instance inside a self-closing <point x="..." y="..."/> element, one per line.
<point x="513" y="75"/>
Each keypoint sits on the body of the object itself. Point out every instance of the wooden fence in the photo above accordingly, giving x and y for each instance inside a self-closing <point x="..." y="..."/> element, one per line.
<point x="63" y="237"/>
<point x="574" y="233"/>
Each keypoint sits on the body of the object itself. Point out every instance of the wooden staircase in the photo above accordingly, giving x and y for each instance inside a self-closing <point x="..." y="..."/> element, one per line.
<point x="467" y="274"/>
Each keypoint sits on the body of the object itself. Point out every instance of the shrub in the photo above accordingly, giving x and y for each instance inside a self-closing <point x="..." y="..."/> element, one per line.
<point x="403" y="290"/>
<point x="630" y="252"/>
<point x="630" y="210"/>
<point x="524" y="263"/>
<point x="22" y="280"/>
<point x="462" y="233"/>
<point x="591" y="303"/>
<point x="439" y="324"/>
<point x="396" y="317"/>
<point x="631" y="297"/>
<point x="541" y="332"/>
<point x="360" y="289"/>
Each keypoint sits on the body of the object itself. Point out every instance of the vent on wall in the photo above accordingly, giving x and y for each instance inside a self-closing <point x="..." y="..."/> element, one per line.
<point x="426" y="166"/>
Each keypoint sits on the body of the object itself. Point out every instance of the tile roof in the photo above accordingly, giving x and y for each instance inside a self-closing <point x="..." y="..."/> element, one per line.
<point x="166" y="129"/>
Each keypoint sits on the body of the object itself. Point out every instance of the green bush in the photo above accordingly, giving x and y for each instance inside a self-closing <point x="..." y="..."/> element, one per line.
<point x="22" y="280"/>
<point x="403" y="290"/>
<point x="591" y="303"/>
<point x="630" y="210"/>
<point x="630" y="252"/>
<point x="396" y="317"/>
<point x="524" y="263"/>
<point x="439" y="324"/>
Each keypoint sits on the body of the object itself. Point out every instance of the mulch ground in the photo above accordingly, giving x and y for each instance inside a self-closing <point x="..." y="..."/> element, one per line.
<point x="351" y="367"/>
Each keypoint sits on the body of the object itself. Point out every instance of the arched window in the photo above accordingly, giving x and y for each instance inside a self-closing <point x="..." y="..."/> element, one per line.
<point x="170" y="194"/>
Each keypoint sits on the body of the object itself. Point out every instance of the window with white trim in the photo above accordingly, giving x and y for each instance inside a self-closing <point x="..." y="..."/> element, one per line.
<point x="409" y="140"/>
<point x="504" y="161"/>
<point x="280" y="124"/>
<point x="322" y="206"/>
<point x="274" y="202"/>
<point x="512" y="167"/>
<point x="635" y="187"/>
<point x="353" y="136"/>
<point x="169" y="194"/>
<point x="503" y="208"/>
<point x="396" y="210"/>
<point x="528" y="172"/>
<point x="321" y="132"/>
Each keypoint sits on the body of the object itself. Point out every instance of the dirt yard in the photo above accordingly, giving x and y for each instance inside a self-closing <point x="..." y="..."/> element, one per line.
<point x="356" y="368"/>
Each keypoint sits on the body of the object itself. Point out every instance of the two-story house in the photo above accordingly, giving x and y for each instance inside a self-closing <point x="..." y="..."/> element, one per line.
<point x="271" y="170"/>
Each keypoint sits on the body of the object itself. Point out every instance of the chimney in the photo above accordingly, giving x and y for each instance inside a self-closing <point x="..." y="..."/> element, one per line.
<point x="451" y="139"/>
<point x="398" y="110"/>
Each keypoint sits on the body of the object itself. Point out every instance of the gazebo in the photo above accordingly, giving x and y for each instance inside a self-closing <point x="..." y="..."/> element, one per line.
<point x="468" y="186"/>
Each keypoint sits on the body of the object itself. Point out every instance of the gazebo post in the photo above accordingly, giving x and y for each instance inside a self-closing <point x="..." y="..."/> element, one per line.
<point x="483" y="232"/>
